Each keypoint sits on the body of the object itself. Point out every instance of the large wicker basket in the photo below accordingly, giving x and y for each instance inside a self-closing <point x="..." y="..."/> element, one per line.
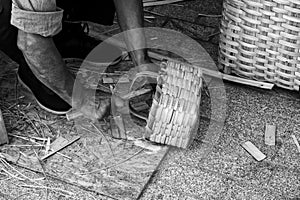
<point x="260" y="39"/>
<point x="174" y="115"/>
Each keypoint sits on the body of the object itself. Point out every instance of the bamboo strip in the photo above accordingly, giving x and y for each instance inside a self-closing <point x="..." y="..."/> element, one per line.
<point x="159" y="3"/>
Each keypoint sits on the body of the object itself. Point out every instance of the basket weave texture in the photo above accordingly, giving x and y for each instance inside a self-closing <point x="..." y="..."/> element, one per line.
<point x="174" y="115"/>
<point x="260" y="39"/>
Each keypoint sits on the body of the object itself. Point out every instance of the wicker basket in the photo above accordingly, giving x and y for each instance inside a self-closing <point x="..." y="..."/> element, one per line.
<point x="174" y="115"/>
<point x="260" y="39"/>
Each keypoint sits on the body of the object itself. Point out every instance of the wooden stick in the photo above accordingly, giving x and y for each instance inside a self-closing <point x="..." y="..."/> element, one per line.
<point x="3" y="132"/>
<point x="69" y="143"/>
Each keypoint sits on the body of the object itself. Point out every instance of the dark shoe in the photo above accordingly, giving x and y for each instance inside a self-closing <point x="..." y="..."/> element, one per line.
<point x="45" y="98"/>
<point x="73" y="42"/>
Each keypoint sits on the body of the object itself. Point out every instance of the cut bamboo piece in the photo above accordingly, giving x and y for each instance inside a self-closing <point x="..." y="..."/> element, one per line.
<point x="270" y="135"/>
<point x="117" y="127"/>
<point x="3" y="132"/>
<point x="64" y="146"/>
<point x="254" y="151"/>
<point x="296" y="142"/>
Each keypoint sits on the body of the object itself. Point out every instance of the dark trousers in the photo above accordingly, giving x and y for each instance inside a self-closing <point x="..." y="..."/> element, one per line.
<point x="8" y="33"/>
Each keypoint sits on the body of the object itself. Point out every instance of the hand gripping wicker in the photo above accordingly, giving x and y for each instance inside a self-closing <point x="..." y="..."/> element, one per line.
<point x="174" y="115"/>
<point x="260" y="39"/>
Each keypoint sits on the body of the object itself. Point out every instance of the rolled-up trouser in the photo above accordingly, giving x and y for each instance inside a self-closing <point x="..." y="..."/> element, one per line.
<point x="43" y="17"/>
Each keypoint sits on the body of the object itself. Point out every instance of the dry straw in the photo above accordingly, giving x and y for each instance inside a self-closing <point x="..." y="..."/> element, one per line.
<point x="260" y="39"/>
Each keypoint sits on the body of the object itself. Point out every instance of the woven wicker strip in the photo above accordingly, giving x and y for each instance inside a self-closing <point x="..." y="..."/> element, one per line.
<point x="174" y="114"/>
<point x="260" y="39"/>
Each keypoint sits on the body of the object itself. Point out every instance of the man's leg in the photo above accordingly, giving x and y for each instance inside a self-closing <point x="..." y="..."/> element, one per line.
<point x="131" y="17"/>
<point x="38" y="21"/>
<point x="8" y="44"/>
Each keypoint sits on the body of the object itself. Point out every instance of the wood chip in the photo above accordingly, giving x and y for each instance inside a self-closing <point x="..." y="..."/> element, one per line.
<point x="108" y="80"/>
<point x="254" y="151"/>
<point x="296" y="142"/>
<point x="270" y="134"/>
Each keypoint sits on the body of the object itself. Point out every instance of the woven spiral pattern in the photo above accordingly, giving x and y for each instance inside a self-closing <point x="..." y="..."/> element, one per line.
<point x="174" y="114"/>
<point x="260" y="39"/>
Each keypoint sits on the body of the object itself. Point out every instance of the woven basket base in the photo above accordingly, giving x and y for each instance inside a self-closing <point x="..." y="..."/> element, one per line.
<point x="174" y="114"/>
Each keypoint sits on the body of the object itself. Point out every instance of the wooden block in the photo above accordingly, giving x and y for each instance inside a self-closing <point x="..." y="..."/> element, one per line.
<point x="270" y="135"/>
<point x="3" y="133"/>
<point x="254" y="151"/>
